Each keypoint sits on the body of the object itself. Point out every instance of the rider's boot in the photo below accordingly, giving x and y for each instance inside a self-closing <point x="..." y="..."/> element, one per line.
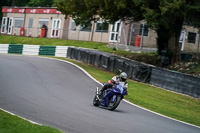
<point x="100" y="94"/>
<point x="102" y="90"/>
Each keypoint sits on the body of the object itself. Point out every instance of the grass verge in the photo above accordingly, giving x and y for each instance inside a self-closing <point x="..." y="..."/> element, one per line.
<point x="51" y="42"/>
<point x="159" y="100"/>
<point x="13" y="124"/>
<point x="150" y="58"/>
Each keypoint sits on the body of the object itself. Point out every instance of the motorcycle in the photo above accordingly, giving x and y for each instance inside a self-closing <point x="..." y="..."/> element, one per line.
<point x="111" y="97"/>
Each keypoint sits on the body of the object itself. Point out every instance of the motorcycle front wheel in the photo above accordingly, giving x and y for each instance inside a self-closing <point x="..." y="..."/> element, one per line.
<point x="95" y="101"/>
<point x="114" y="102"/>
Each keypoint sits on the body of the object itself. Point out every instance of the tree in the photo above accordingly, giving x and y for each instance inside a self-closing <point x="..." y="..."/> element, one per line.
<point x="12" y="3"/>
<point x="4" y="3"/>
<point x="41" y="3"/>
<point x="166" y="17"/>
<point x="34" y="3"/>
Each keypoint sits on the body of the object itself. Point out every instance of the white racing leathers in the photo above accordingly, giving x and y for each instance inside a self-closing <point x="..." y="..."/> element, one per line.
<point x="117" y="80"/>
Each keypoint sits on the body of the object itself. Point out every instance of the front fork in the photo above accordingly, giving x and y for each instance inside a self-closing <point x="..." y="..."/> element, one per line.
<point x="114" y="97"/>
<point x="97" y="93"/>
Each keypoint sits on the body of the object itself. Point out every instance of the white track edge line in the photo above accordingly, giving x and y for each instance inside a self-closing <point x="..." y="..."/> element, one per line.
<point x="160" y="114"/>
<point x="20" y="117"/>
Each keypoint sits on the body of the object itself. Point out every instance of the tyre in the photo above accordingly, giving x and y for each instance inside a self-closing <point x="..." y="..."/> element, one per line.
<point x="114" y="104"/>
<point x="95" y="101"/>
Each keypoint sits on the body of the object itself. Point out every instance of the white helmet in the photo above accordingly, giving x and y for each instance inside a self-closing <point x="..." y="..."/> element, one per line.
<point x="123" y="76"/>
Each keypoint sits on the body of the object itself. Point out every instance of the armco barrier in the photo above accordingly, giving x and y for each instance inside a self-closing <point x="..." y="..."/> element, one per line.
<point x="31" y="49"/>
<point x="59" y="51"/>
<point x="128" y="68"/>
<point x="139" y="71"/>
<point x="4" y="48"/>
<point x="47" y="50"/>
<point x="84" y="55"/>
<point x="177" y="82"/>
<point x="119" y="62"/>
<point x="97" y="59"/>
<point x="15" y="49"/>
<point x="110" y="62"/>
<point x="91" y="58"/>
<point x="104" y="61"/>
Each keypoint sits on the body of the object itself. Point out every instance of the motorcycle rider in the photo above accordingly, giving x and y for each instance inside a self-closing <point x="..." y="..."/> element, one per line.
<point x="116" y="79"/>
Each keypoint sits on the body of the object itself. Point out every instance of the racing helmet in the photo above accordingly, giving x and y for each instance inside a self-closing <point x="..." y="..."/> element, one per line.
<point x="123" y="76"/>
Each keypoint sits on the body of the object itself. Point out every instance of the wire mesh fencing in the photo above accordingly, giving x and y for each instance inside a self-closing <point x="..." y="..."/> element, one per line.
<point x="131" y="39"/>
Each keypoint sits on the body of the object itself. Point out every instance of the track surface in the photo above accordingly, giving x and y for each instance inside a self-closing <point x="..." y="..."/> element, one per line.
<point x="60" y="95"/>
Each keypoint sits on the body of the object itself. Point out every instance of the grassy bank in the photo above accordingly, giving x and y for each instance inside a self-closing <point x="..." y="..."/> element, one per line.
<point x="14" y="124"/>
<point x="142" y="57"/>
<point x="171" y="104"/>
<point x="51" y="42"/>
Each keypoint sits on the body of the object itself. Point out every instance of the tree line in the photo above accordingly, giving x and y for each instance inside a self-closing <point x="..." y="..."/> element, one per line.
<point x="166" y="17"/>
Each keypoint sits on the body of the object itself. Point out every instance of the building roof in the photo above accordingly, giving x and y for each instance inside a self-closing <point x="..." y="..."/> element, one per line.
<point x="31" y="10"/>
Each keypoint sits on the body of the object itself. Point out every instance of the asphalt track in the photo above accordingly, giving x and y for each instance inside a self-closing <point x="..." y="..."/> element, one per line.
<point x="60" y="95"/>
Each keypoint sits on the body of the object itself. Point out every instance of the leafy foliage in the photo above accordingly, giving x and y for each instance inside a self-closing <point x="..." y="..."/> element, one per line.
<point x="166" y="17"/>
<point x="34" y="3"/>
<point x="12" y="3"/>
<point x="41" y="3"/>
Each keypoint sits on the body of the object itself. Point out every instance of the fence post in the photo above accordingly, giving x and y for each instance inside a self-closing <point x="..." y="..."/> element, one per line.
<point x="131" y="31"/>
<point x="78" y="34"/>
<point x="141" y="41"/>
<point x="198" y="42"/>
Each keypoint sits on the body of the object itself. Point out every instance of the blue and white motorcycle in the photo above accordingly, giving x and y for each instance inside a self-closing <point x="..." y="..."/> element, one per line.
<point x="111" y="97"/>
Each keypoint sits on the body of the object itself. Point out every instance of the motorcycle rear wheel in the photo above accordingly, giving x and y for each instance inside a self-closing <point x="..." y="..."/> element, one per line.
<point x="114" y="104"/>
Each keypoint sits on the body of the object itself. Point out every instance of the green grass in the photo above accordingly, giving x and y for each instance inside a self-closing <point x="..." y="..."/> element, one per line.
<point x="51" y="42"/>
<point x="143" y="57"/>
<point x="14" y="124"/>
<point x="165" y="102"/>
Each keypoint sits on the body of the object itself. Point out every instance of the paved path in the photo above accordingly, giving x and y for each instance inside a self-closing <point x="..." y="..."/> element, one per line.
<point x="60" y="95"/>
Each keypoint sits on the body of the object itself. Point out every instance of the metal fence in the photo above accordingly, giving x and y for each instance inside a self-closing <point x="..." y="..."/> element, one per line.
<point x="131" y="39"/>
<point x="121" y="37"/>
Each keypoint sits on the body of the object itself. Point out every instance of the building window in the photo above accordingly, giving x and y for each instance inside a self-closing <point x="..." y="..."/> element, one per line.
<point x="30" y="23"/>
<point x="73" y="25"/>
<point x="101" y="26"/>
<point x="56" y="28"/>
<point x="84" y="27"/>
<point x="191" y="37"/>
<point x="19" y="22"/>
<point x="4" y="25"/>
<point x="43" y="21"/>
<point x="145" y="29"/>
<point x="10" y="25"/>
